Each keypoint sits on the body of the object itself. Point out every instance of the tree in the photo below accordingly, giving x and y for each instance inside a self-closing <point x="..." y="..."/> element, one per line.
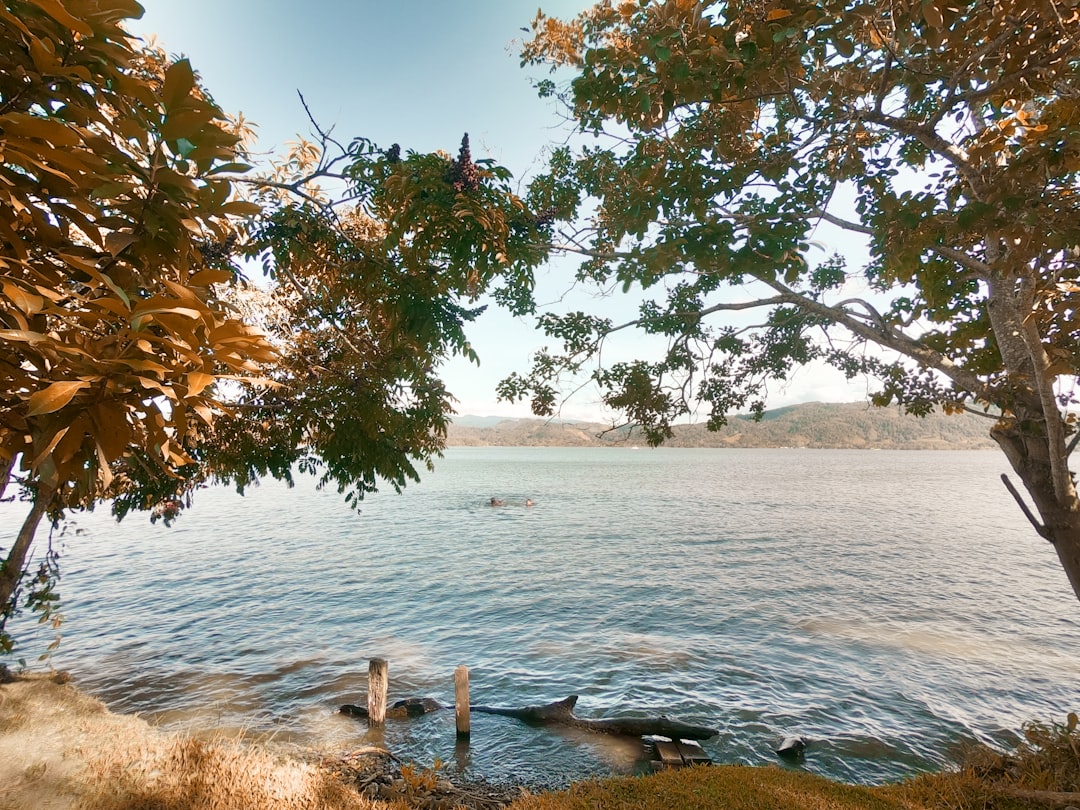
<point x="115" y="199"/>
<point x="373" y="288"/>
<point x="943" y="135"/>
<point x="136" y="364"/>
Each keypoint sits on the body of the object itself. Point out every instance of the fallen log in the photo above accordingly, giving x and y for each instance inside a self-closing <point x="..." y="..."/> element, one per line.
<point x="561" y="713"/>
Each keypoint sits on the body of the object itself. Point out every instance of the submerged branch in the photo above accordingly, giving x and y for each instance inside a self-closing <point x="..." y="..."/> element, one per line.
<point x="561" y="713"/>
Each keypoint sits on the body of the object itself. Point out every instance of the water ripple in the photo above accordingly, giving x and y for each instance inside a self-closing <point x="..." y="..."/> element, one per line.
<point x="827" y="593"/>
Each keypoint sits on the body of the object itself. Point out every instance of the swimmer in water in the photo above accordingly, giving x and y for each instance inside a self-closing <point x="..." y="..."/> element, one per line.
<point x="528" y="501"/>
<point x="497" y="502"/>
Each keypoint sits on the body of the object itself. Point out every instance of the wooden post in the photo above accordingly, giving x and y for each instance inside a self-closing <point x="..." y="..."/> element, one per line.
<point x="378" y="682"/>
<point x="461" y="701"/>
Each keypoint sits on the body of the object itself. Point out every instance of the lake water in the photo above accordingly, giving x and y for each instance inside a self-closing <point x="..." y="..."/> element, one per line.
<point x="889" y="606"/>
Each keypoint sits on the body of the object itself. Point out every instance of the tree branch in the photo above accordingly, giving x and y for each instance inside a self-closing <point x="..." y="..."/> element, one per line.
<point x="856" y="227"/>
<point x="721" y="307"/>
<point x="1042" y="531"/>
<point x="928" y="137"/>
<point x="1064" y="489"/>
<point x="888" y="337"/>
<point x="981" y="269"/>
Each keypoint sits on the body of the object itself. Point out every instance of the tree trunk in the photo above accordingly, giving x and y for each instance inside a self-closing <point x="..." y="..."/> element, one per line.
<point x="1029" y="455"/>
<point x="1032" y="433"/>
<point x="6" y="466"/>
<point x="12" y="569"/>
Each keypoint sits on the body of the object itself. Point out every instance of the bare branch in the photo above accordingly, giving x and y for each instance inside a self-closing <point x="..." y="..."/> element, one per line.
<point x="847" y="225"/>
<point x="979" y="268"/>
<point x="883" y="85"/>
<point x="1042" y="531"/>
<point x="980" y="413"/>
<point x="324" y="135"/>
<point x="928" y="137"/>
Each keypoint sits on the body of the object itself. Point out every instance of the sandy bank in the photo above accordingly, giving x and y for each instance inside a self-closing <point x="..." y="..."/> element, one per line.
<point x="63" y="750"/>
<point x="49" y="732"/>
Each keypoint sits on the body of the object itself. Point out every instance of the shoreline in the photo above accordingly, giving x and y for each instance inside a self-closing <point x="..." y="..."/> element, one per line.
<point x="61" y="749"/>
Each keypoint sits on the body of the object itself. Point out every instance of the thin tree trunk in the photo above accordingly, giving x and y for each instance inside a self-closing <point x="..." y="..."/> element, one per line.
<point x="6" y="466"/>
<point x="11" y="571"/>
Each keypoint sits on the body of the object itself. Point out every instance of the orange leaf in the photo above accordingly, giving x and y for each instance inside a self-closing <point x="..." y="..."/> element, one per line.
<point x="117" y="241"/>
<point x="25" y="301"/>
<point x="49" y="447"/>
<point x="179" y="82"/>
<point x="197" y="381"/>
<point x="22" y="336"/>
<point x="111" y="429"/>
<point x="57" y="11"/>
<point x="206" y="277"/>
<point x="777" y="14"/>
<point x="55" y="397"/>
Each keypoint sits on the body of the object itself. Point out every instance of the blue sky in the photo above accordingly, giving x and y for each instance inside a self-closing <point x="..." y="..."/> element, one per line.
<point x="415" y="72"/>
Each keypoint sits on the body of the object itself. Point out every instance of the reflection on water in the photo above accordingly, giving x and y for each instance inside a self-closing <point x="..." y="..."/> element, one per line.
<point x="831" y="594"/>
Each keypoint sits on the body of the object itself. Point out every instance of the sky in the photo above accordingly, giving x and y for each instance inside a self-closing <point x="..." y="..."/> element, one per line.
<point x="419" y="73"/>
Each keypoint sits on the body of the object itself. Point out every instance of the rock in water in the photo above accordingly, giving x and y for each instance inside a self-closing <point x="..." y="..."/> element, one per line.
<point x="793" y="748"/>
<point x="414" y="707"/>
<point x="409" y="707"/>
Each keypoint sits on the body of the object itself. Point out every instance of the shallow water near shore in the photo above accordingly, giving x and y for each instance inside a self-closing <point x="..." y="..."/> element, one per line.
<point x="889" y="606"/>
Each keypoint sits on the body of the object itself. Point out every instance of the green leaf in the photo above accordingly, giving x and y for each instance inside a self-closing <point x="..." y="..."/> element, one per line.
<point x="185" y="147"/>
<point x="663" y="53"/>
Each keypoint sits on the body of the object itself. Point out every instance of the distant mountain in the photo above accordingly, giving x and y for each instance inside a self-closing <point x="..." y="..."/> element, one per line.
<point x="848" y="425"/>
<point x="478" y="421"/>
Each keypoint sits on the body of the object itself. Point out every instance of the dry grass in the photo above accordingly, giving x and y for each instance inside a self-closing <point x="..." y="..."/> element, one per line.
<point x="63" y="750"/>
<point x="726" y="787"/>
<point x="1043" y="772"/>
<point x="191" y="774"/>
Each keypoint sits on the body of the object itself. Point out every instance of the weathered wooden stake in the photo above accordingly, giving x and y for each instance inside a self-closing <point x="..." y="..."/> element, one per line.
<point x="378" y="683"/>
<point x="461" y="701"/>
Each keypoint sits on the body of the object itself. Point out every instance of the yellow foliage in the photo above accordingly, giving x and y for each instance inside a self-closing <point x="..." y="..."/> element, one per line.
<point x="110" y="328"/>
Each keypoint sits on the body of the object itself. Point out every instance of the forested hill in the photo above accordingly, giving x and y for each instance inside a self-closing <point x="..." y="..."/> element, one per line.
<point x="815" y="424"/>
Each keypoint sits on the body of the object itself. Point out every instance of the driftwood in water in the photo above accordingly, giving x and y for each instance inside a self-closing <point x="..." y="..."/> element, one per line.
<point x="410" y="707"/>
<point x="562" y="713"/>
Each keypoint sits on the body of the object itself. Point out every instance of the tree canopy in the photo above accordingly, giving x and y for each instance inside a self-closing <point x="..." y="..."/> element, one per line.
<point x="115" y="196"/>
<point x="373" y="288"/>
<point x="136" y="362"/>
<point x="944" y="137"/>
